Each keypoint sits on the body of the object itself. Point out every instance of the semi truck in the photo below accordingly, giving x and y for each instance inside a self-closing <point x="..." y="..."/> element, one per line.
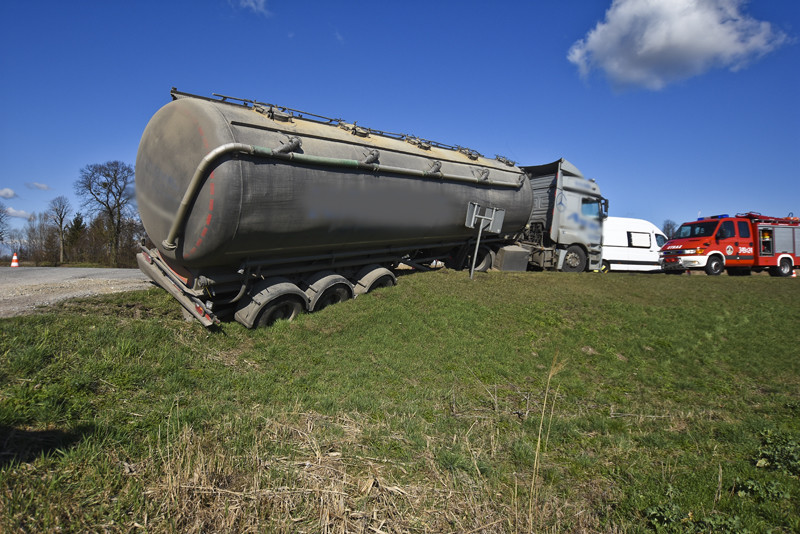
<point x="748" y="242"/>
<point x="258" y="212"/>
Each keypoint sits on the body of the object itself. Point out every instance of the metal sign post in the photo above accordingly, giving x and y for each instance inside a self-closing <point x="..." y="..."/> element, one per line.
<point x="491" y="220"/>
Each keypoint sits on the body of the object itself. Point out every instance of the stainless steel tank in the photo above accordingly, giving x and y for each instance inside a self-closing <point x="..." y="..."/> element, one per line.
<point x="221" y="183"/>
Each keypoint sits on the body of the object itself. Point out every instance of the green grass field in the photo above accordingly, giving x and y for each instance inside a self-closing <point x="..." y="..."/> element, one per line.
<point x="515" y="402"/>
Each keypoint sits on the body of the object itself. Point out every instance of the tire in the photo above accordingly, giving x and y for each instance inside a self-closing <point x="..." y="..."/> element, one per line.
<point x="714" y="266"/>
<point x="485" y="260"/>
<point x="384" y="281"/>
<point x="332" y="295"/>
<point x="574" y="260"/>
<point x="783" y="269"/>
<point x="286" y="308"/>
<point x="373" y="277"/>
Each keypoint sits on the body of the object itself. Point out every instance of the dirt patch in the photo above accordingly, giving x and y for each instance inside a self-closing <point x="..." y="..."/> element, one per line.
<point x="25" y="290"/>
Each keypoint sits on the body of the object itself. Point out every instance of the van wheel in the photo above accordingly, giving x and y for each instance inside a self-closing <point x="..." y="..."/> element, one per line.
<point x="574" y="260"/>
<point x="714" y="267"/>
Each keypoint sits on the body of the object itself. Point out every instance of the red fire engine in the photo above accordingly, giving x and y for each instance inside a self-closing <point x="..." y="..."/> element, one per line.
<point x="742" y="244"/>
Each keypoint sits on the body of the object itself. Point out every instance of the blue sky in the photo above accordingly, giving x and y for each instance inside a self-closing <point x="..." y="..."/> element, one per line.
<point x="675" y="107"/>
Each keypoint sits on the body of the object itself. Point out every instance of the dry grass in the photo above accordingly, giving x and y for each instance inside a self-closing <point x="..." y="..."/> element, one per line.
<point x="328" y="487"/>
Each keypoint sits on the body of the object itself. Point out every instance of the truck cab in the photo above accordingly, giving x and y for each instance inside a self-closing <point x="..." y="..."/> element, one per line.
<point x="565" y="229"/>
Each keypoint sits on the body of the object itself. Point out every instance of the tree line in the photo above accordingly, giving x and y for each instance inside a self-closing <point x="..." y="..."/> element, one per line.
<point x="107" y="232"/>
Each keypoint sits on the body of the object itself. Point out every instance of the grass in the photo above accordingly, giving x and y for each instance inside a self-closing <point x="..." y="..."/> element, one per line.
<point x="515" y="402"/>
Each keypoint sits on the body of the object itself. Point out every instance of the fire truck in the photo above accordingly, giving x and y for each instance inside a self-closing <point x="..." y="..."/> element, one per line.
<point x="748" y="242"/>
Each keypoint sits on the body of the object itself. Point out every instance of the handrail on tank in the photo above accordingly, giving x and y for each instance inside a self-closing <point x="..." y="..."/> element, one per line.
<point x="253" y="150"/>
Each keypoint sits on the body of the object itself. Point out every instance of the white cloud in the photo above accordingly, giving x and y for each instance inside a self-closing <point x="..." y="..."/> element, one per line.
<point x="36" y="185"/>
<point x="7" y="193"/>
<point x="651" y="43"/>
<point x="20" y="214"/>
<point x="257" y="6"/>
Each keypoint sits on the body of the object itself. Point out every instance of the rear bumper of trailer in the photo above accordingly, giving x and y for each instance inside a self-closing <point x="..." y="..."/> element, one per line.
<point x="151" y="265"/>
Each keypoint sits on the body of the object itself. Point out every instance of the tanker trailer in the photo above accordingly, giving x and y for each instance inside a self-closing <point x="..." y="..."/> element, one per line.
<point x="261" y="212"/>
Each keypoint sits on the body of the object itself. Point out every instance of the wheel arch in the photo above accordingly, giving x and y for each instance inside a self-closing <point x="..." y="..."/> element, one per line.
<point x="264" y="292"/>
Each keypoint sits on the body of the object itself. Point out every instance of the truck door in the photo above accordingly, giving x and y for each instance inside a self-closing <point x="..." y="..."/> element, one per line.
<point x="733" y="244"/>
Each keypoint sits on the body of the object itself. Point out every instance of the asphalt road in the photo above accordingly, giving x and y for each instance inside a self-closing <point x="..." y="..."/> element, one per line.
<point x="25" y="289"/>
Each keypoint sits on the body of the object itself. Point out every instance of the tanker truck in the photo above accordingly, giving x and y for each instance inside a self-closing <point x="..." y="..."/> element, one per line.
<point x="258" y="212"/>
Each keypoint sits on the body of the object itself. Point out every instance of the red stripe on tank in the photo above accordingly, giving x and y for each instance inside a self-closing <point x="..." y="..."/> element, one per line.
<point x="204" y="231"/>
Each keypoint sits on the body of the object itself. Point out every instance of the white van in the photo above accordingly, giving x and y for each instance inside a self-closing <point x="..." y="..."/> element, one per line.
<point x="631" y="245"/>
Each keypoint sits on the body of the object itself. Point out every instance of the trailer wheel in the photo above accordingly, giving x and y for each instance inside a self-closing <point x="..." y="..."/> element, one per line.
<point x="333" y="295"/>
<point x="574" y="260"/>
<point x="783" y="269"/>
<point x="325" y="288"/>
<point x="286" y="307"/>
<point x="714" y="266"/>
<point x="373" y="277"/>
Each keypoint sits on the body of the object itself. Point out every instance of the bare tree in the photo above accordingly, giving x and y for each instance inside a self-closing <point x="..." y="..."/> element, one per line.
<point x="669" y="228"/>
<point x="3" y="222"/>
<point x="40" y="239"/>
<point x="107" y="190"/>
<point x="58" y="212"/>
<point x="15" y="238"/>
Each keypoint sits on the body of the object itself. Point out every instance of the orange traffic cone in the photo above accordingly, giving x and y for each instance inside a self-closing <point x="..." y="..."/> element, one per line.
<point x="15" y="261"/>
<point x="794" y="273"/>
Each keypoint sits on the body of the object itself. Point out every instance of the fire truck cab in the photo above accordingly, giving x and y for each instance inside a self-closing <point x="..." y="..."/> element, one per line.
<point x="748" y="242"/>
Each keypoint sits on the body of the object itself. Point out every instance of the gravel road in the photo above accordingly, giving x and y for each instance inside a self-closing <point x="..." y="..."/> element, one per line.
<point x="24" y="289"/>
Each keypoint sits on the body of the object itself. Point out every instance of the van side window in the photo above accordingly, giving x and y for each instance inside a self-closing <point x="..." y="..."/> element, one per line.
<point x="638" y="239"/>
<point x="728" y="229"/>
<point x="744" y="229"/>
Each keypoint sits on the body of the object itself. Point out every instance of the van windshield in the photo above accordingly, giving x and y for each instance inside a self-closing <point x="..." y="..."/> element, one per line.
<point x="697" y="229"/>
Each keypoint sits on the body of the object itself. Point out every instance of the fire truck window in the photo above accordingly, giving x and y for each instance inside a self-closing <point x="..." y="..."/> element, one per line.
<point x="744" y="229"/>
<point x="728" y="229"/>
<point x="638" y="239"/>
<point x="700" y="229"/>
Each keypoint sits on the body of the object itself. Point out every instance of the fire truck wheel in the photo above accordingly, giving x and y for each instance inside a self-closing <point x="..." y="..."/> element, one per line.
<point x="784" y="268"/>
<point x="714" y="267"/>
<point x="574" y="260"/>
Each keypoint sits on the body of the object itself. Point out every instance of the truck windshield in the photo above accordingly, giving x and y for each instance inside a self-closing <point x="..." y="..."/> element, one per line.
<point x="590" y="207"/>
<point x="697" y="229"/>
